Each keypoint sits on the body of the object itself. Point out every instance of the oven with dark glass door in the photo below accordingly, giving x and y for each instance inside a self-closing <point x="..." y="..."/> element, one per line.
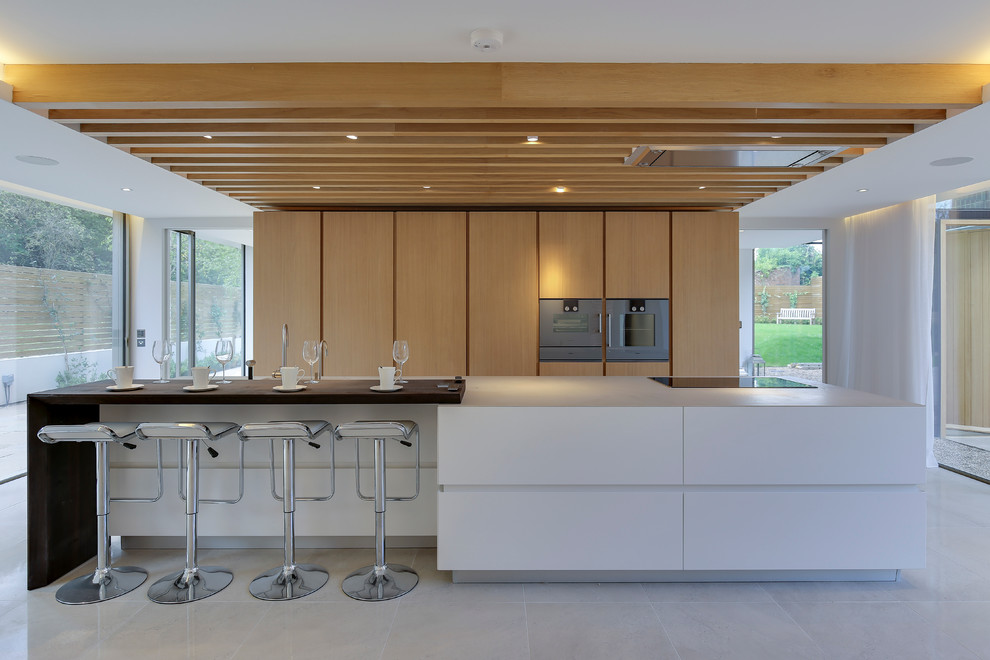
<point x="571" y="330"/>
<point x="637" y="330"/>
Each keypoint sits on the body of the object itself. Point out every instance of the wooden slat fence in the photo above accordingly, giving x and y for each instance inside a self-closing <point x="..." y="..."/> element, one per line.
<point x="809" y="295"/>
<point x="44" y="311"/>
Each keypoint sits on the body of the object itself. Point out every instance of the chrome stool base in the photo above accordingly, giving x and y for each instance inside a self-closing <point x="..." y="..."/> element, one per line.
<point x="117" y="581"/>
<point x="288" y="583"/>
<point x="376" y="583"/>
<point x="178" y="588"/>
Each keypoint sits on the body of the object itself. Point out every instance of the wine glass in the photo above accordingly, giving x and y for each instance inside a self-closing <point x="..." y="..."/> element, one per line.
<point x="400" y="353"/>
<point x="161" y="351"/>
<point x="311" y="353"/>
<point x="223" y="352"/>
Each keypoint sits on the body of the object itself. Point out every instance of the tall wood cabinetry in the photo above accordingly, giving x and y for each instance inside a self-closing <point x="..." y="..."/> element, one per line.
<point x="286" y="285"/>
<point x="357" y="291"/>
<point x="571" y="244"/>
<point x="637" y="265"/>
<point x="704" y="298"/>
<point x="431" y="291"/>
<point x="503" y="276"/>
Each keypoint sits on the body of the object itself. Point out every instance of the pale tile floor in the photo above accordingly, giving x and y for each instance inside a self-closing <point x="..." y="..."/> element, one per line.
<point x="942" y="611"/>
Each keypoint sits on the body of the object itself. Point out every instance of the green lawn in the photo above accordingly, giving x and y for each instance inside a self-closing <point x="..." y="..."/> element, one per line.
<point x="784" y="344"/>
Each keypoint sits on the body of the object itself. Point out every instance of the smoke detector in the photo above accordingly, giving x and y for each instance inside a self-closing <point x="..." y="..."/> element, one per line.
<point x="486" y="40"/>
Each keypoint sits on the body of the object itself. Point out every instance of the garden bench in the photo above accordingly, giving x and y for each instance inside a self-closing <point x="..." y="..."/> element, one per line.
<point x="797" y="314"/>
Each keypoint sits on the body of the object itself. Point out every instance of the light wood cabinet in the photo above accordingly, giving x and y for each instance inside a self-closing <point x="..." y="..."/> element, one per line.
<point x="704" y="299"/>
<point x="287" y="275"/>
<point x="571" y="369"/>
<point x="571" y="251"/>
<point x="431" y="291"/>
<point x="637" y="369"/>
<point x="503" y="315"/>
<point x="357" y="292"/>
<point x="637" y="254"/>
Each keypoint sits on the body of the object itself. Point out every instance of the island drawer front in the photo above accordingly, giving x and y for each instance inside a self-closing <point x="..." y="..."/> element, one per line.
<point x="789" y="530"/>
<point x="557" y="530"/>
<point x="787" y="445"/>
<point x="559" y="446"/>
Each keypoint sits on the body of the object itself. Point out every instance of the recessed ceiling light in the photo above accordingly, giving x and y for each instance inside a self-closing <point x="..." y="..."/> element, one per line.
<point x="36" y="160"/>
<point x="427" y="187"/>
<point x="126" y="189"/>
<point x="316" y="187"/>
<point x="208" y="137"/>
<point x="532" y="138"/>
<point x="776" y="137"/>
<point x="741" y="230"/>
<point x="702" y="187"/>
<point x="560" y="189"/>
<point x="351" y="137"/>
<point x="948" y="162"/>
<point x="863" y="190"/>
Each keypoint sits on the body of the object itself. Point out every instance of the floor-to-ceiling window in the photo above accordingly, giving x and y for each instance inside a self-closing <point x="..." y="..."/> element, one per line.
<point x="61" y="305"/>
<point x="961" y="331"/>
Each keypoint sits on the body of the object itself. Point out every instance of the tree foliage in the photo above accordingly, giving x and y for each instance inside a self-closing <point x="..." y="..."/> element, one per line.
<point x="42" y="234"/>
<point x="804" y="259"/>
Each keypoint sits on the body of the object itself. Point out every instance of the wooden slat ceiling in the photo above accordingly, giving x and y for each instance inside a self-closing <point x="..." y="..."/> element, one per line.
<point x="436" y="135"/>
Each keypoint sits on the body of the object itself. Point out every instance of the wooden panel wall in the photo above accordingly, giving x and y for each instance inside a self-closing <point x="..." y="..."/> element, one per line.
<point x="287" y="277"/>
<point x="637" y="368"/>
<point x="704" y="300"/>
<point x="571" y="249"/>
<point x="357" y="292"/>
<point x="431" y="292"/>
<point x="503" y="276"/>
<point x="967" y="328"/>
<point x="637" y="254"/>
<point x="571" y="369"/>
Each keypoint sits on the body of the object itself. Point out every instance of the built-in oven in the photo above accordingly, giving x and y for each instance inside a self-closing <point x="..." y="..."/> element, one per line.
<point x="571" y="330"/>
<point x="637" y="329"/>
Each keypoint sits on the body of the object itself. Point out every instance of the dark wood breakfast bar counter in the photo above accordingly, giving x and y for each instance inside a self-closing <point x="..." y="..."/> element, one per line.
<point x="62" y="478"/>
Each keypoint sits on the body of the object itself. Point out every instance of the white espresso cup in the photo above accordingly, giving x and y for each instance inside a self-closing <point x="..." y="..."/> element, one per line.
<point x="201" y="376"/>
<point x="386" y="378"/>
<point x="122" y="376"/>
<point x="290" y="376"/>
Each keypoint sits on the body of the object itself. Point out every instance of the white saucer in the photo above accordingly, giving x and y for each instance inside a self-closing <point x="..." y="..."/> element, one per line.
<point x="379" y="388"/>
<point x="208" y="388"/>
<point x="283" y="388"/>
<point x="118" y="388"/>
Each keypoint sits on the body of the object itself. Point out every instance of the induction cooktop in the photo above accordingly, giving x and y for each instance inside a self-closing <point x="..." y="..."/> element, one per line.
<point x="734" y="383"/>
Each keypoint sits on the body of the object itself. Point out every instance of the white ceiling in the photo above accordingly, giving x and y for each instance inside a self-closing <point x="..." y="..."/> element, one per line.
<point x="100" y="31"/>
<point x="106" y="31"/>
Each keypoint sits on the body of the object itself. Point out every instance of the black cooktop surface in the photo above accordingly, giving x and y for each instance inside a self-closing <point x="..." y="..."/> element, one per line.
<point x="735" y="383"/>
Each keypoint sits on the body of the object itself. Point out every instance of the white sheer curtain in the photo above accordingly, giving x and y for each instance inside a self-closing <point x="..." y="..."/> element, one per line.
<point x="884" y="313"/>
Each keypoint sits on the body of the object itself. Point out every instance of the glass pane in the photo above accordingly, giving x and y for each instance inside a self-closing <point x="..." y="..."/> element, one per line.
<point x="56" y="326"/>
<point x="179" y="254"/>
<point x="219" y="303"/>
<point x="640" y="330"/>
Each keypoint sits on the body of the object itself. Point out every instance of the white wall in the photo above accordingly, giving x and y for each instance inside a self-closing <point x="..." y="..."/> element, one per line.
<point x="147" y="269"/>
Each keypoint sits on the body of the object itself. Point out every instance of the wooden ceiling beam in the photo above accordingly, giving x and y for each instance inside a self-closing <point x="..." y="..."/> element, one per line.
<point x="550" y="129"/>
<point x="359" y="116"/>
<point x="503" y="84"/>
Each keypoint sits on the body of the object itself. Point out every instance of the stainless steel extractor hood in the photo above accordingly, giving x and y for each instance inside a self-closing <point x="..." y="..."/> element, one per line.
<point x="647" y="156"/>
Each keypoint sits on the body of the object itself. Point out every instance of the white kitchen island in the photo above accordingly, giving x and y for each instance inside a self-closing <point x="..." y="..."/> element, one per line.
<point x="625" y="479"/>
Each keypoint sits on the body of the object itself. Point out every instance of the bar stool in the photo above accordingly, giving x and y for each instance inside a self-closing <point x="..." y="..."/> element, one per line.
<point x="380" y="581"/>
<point x="107" y="581"/>
<point x="194" y="582"/>
<point x="290" y="580"/>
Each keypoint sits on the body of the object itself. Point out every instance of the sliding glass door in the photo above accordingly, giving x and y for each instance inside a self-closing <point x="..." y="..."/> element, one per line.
<point x="205" y="301"/>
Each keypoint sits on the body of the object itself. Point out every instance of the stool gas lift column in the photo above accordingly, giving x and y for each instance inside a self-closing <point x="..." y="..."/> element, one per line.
<point x="108" y="581"/>
<point x="380" y="581"/>
<point x="194" y="582"/>
<point x="290" y="580"/>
